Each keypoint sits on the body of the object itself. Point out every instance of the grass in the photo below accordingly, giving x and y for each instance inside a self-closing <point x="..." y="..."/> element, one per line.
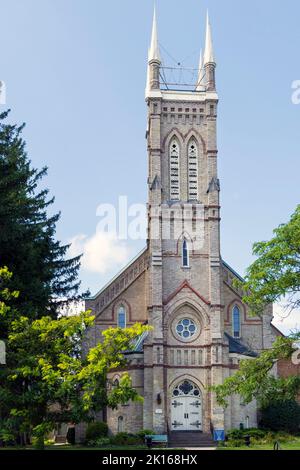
<point x="77" y="447"/>
<point x="291" y="445"/>
<point x="68" y="447"/>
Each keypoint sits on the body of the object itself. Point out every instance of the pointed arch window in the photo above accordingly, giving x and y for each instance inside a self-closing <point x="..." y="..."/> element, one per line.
<point x="236" y="322"/>
<point x="122" y="317"/>
<point x="185" y="254"/>
<point x="174" y="170"/>
<point x="193" y="170"/>
<point x="120" y="424"/>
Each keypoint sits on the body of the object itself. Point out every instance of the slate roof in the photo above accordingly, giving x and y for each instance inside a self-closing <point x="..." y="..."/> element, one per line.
<point x="139" y="344"/>
<point x="237" y="347"/>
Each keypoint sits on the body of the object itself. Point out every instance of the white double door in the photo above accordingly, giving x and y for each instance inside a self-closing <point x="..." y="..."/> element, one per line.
<point x="186" y="413"/>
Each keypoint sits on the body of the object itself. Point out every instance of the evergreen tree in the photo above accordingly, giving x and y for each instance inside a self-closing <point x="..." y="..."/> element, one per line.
<point x="27" y="234"/>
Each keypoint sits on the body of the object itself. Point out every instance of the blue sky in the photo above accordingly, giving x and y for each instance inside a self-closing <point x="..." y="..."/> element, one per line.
<point x="75" y="72"/>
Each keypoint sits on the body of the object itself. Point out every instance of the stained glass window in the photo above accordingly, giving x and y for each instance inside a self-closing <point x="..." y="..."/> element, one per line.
<point x="186" y="328"/>
<point x="187" y="389"/>
<point x="185" y="254"/>
<point x="122" y="317"/>
<point x="236" y="322"/>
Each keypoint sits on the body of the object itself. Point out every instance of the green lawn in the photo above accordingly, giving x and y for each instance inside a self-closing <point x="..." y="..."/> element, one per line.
<point x="69" y="447"/>
<point x="293" y="445"/>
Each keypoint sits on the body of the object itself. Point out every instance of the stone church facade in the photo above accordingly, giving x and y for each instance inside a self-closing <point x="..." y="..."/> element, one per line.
<point x="179" y="284"/>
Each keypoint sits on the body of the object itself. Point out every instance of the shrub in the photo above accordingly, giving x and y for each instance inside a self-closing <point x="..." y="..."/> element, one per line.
<point x="252" y="432"/>
<point x="145" y="432"/>
<point x="234" y="434"/>
<point x="255" y="433"/>
<point x="100" y="442"/>
<point x="236" y="443"/>
<point x="282" y="416"/>
<point x="133" y="441"/>
<point x="123" y="438"/>
<point x="96" y="430"/>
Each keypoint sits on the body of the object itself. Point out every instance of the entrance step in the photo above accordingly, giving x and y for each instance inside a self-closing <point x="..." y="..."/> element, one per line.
<point x="60" y="440"/>
<point x="190" y="439"/>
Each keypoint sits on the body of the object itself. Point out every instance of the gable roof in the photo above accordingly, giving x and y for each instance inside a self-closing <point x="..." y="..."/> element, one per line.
<point x="139" y="255"/>
<point x="138" y="345"/>
<point x="226" y="265"/>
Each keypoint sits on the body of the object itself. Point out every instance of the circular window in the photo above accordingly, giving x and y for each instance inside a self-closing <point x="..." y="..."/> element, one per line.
<point x="186" y="328"/>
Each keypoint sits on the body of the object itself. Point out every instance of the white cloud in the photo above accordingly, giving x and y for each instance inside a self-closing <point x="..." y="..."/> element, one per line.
<point x="102" y="252"/>
<point x="284" y="321"/>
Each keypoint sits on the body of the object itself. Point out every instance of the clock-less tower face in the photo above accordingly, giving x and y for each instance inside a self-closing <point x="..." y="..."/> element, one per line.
<point x="184" y="217"/>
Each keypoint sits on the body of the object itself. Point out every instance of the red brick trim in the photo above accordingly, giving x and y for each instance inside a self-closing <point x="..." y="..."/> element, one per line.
<point x="186" y="346"/>
<point x="118" y="303"/>
<point x="183" y="376"/>
<point x="247" y="320"/>
<point x="186" y="367"/>
<point x="184" y="236"/>
<point x="175" y="131"/>
<point x="186" y="285"/>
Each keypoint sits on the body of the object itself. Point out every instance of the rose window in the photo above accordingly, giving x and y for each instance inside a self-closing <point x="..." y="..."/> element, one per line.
<point x="186" y="328"/>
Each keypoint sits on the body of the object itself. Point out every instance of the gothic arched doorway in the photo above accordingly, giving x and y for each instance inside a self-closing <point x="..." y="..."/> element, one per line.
<point x="186" y="407"/>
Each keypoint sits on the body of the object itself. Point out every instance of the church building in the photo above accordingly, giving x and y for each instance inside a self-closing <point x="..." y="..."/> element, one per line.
<point x="179" y="284"/>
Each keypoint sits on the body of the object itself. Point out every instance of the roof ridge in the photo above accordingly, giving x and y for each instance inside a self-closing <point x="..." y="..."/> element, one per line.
<point x="122" y="271"/>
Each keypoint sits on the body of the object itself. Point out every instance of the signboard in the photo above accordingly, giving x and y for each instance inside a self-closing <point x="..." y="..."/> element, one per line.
<point x="219" y="435"/>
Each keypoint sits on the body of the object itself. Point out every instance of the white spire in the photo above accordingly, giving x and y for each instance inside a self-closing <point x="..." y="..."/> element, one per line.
<point x="200" y="73"/>
<point x="209" y="51"/>
<point x="154" y="48"/>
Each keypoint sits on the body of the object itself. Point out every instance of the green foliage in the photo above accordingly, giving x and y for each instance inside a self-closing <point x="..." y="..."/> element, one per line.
<point x="100" y="442"/>
<point x="276" y="272"/>
<point x="96" y="430"/>
<point x="39" y="433"/>
<point x="282" y="416"/>
<point x="253" y="379"/>
<point x="236" y="437"/>
<point x="47" y="379"/>
<point x="123" y="438"/>
<point x="239" y="434"/>
<point x="27" y="237"/>
<point x="255" y="433"/>
<point x="273" y="276"/>
<point x="236" y="443"/>
<point x="145" y="432"/>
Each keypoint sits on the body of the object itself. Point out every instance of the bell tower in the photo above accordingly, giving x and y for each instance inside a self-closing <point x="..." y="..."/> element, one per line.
<point x="184" y="231"/>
